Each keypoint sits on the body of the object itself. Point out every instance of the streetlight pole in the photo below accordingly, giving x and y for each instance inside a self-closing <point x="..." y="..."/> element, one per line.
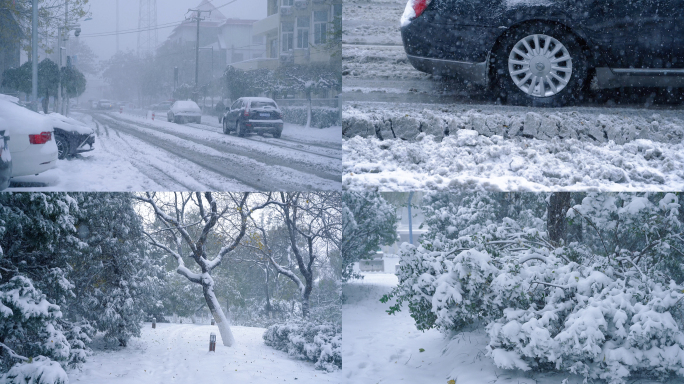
<point x="34" y="54"/>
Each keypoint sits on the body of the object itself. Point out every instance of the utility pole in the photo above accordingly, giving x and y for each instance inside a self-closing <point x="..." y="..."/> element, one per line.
<point x="117" y="26"/>
<point x="199" y="18"/>
<point x="34" y="55"/>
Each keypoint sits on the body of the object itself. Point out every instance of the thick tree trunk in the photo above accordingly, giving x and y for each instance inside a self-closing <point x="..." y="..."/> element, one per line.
<point x="305" y="299"/>
<point x="217" y="313"/>
<point x="559" y="203"/>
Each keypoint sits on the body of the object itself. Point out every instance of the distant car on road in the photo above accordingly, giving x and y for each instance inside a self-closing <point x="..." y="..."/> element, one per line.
<point x="544" y="52"/>
<point x="105" y="104"/>
<point x="163" y="106"/>
<point x="5" y="159"/>
<point x="31" y="143"/>
<point x="71" y="136"/>
<point x="183" y="111"/>
<point x="253" y="114"/>
<point x="94" y="105"/>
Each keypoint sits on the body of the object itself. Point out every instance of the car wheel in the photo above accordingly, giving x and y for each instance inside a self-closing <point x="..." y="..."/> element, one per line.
<point x="277" y="134"/>
<point x="63" y="149"/>
<point x="239" y="129"/>
<point x="539" y="65"/>
<point x="225" y="127"/>
<point x="176" y="120"/>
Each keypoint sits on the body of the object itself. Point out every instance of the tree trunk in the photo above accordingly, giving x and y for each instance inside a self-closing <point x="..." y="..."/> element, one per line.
<point x="308" y="113"/>
<point x="559" y="203"/>
<point x="217" y="313"/>
<point x="305" y="298"/>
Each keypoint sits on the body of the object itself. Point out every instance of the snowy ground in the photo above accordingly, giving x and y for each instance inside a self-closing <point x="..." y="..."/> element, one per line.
<point x="178" y="353"/>
<point x="379" y="348"/>
<point x="133" y="153"/>
<point x="511" y="148"/>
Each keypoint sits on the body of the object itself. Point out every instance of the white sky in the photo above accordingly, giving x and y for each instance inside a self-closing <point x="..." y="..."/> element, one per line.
<point x="104" y="20"/>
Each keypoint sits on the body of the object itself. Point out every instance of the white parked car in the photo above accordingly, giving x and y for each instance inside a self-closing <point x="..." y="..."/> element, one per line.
<point x="32" y="142"/>
<point x="185" y="111"/>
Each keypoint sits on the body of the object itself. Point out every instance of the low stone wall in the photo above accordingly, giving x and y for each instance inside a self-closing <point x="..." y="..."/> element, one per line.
<point x="616" y="125"/>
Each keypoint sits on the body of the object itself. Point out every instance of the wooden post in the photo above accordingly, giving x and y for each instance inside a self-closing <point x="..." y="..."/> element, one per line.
<point x="154" y="322"/>
<point x="212" y="342"/>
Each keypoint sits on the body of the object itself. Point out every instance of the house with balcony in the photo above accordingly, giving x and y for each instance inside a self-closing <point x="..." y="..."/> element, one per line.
<point x="296" y="32"/>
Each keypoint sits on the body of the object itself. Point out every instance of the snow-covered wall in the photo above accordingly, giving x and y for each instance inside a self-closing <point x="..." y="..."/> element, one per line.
<point x="408" y="121"/>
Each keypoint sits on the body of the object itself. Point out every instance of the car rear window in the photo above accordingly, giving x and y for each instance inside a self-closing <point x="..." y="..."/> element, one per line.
<point x="186" y="104"/>
<point x="261" y="104"/>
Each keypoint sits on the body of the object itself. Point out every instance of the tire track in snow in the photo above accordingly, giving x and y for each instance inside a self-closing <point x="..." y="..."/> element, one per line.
<point x="247" y="171"/>
<point x="156" y="167"/>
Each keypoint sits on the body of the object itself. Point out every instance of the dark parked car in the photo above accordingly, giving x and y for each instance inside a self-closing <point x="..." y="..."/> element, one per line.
<point x="253" y="114"/>
<point x="544" y="52"/>
<point x="5" y="161"/>
<point x="71" y="136"/>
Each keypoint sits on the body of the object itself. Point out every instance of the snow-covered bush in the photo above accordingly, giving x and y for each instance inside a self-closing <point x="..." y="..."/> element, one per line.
<point x="605" y="306"/>
<point x="40" y="370"/>
<point x="318" y="343"/>
<point x="321" y="117"/>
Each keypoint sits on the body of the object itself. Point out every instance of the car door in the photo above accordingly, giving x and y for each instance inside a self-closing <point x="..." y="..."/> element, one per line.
<point x="235" y="109"/>
<point x="612" y="26"/>
<point x="662" y="34"/>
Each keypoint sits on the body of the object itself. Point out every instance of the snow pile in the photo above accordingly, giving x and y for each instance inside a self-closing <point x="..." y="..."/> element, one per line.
<point x="319" y="343"/>
<point x="605" y="307"/>
<point x="469" y="160"/>
<point x="40" y="371"/>
<point x="581" y="124"/>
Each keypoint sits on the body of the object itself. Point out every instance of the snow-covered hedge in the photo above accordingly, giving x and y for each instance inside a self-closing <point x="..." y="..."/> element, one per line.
<point x="40" y="370"/>
<point x="604" y="307"/>
<point x="321" y="117"/>
<point x="319" y="343"/>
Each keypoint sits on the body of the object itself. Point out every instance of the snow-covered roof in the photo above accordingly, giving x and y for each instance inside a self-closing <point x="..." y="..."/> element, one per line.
<point x="69" y="124"/>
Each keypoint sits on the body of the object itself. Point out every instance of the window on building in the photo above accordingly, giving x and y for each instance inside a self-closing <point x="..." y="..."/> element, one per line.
<point x="257" y="39"/>
<point x="287" y="3"/>
<point x="287" y="36"/>
<point x="303" y="32"/>
<point x="274" y="48"/>
<point x="320" y="27"/>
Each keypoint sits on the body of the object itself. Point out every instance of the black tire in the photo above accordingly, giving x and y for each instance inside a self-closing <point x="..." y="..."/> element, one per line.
<point x="239" y="129"/>
<point x="176" y="120"/>
<point x="63" y="147"/>
<point x="199" y="120"/>
<point x="225" y="128"/>
<point x="277" y="134"/>
<point x="560" y="84"/>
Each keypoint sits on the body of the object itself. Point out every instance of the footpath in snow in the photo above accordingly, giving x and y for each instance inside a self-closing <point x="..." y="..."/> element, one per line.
<point x="179" y="353"/>
<point x="379" y="348"/>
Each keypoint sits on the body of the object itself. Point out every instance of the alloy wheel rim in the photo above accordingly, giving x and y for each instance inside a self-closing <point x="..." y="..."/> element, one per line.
<point x="540" y="65"/>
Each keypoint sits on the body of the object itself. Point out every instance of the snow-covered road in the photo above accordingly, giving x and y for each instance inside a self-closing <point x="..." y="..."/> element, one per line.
<point x="134" y="153"/>
<point x="179" y="353"/>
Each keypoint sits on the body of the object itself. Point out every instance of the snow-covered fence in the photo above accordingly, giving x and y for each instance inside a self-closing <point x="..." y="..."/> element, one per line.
<point x="409" y="122"/>
<point x="376" y="265"/>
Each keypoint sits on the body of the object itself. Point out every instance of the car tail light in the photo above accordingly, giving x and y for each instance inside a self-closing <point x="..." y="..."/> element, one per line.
<point x="246" y="114"/>
<point x="419" y="6"/>
<point x="280" y="115"/>
<point x="43" y="138"/>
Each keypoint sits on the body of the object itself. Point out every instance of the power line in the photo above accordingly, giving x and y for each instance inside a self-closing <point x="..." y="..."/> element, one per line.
<point x="136" y="30"/>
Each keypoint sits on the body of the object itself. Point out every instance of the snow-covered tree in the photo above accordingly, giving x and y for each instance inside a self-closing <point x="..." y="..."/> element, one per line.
<point x="113" y="274"/>
<point x="368" y="221"/>
<point x="313" y="224"/>
<point x="604" y="307"/>
<point x="174" y="213"/>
